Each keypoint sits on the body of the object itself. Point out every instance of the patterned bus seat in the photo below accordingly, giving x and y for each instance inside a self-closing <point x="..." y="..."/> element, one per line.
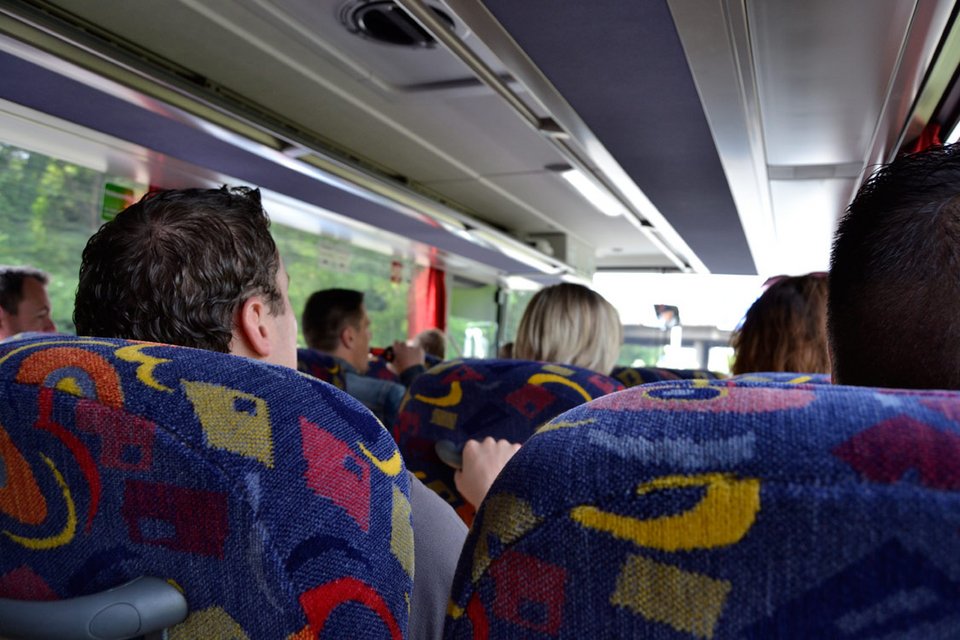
<point x="321" y="366"/>
<point x="714" y="509"/>
<point x="460" y="400"/>
<point x="784" y="377"/>
<point x="632" y="376"/>
<point x="378" y="368"/>
<point x="276" y="503"/>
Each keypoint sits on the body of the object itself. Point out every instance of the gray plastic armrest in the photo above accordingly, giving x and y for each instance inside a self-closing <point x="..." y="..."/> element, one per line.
<point x="141" y="606"/>
<point x="450" y="453"/>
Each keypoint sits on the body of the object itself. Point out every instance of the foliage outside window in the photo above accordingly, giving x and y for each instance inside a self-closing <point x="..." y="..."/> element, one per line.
<point x="316" y="263"/>
<point x="49" y="208"/>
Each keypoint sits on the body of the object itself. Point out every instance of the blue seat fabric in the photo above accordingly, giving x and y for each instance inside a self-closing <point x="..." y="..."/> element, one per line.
<point x="720" y="509"/>
<point x="632" y="376"/>
<point x="460" y="400"/>
<point x="275" y="502"/>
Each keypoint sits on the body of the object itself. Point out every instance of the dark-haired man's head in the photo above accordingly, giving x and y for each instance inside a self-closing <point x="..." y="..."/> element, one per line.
<point x="894" y="299"/>
<point x="191" y="267"/>
<point x="335" y="321"/>
<point x="24" y="305"/>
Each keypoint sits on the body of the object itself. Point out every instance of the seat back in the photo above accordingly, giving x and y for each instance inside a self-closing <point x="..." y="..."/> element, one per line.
<point x="378" y="368"/>
<point x="321" y="366"/>
<point x="784" y="377"/>
<point x="461" y="400"/>
<point x="632" y="376"/>
<point x="276" y="503"/>
<point x="714" y="509"/>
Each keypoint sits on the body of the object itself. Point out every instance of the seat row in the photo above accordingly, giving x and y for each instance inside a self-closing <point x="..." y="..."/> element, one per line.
<point x="268" y="504"/>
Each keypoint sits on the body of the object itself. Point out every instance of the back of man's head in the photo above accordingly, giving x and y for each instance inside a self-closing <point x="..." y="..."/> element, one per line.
<point x="176" y="267"/>
<point x="326" y="314"/>
<point x="11" y="284"/>
<point x="894" y="294"/>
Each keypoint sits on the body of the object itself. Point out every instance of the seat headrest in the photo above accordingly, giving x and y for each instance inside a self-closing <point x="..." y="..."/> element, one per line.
<point x="321" y="366"/>
<point x="632" y="376"/>
<point x="276" y="503"/>
<point x="718" y="509"/>
<point x="468" y="399"/>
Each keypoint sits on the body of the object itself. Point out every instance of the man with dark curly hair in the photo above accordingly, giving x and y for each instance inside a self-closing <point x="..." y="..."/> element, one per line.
<point x="199" y="268"/>
<point x="191" y="267"/>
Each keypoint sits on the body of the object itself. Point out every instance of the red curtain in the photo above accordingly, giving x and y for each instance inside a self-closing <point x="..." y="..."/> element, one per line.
<point x="929" y="137"/>
<point x="428" y="301"/>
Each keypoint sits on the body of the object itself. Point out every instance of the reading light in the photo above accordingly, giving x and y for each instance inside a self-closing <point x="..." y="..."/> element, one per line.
<point x="596" y="196"/>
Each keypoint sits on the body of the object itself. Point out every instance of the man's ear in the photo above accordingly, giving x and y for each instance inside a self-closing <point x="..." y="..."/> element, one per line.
<point x="348" y="336"/>
<point x="253" y="328"/>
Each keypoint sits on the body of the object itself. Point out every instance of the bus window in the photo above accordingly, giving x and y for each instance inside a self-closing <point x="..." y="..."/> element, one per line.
<point x="639" y="355"/>
<point x="516" y="303"/>
<point x="48" y="210"/>
<point x="720" y="359"/>
<point x="472" y="321"/>
<point x="317" y="262"/>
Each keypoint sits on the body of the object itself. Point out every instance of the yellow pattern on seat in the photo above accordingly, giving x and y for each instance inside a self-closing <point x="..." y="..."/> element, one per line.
<point x="688" y="602"/>
<point x="241" y="432"/>
<point x="539" y="379"/>
<point x="69" y="385"/>
<point x="134" y="353"/>
<point x="724" y="515"/>
<point x="558" y="369"/>
<point x="213" y="622"/>
<point x="508" y="518"/>
<point x="391" y="466"/>
<point x="554" y="426"/>
<point x="401" y="535"/>
<point x="445" y="419"/>
<point x="451" y="399"/>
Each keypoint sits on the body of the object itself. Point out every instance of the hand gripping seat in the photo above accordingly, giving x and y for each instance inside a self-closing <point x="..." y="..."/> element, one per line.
<point x="321" y="366"/>
<point x="632" y="376"/>
<point x="276" y="504"/>
<point x="715" y="510"/>
<point x="460" y="400"/>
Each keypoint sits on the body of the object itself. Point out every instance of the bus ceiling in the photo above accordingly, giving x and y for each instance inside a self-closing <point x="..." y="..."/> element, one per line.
<point x="543" y="140"/>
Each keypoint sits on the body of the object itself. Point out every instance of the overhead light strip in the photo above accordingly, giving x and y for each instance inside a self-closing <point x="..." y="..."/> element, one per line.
<point x="420" y="12"/>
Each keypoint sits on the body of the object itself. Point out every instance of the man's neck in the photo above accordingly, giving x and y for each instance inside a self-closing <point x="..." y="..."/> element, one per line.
<point x="351" y="359"/>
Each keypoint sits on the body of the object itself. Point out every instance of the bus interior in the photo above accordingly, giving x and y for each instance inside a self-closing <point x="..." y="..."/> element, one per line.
<point x="664" y="152"/>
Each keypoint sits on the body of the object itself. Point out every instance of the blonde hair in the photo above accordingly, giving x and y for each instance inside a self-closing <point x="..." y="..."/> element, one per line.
<point x="570" y="324"/>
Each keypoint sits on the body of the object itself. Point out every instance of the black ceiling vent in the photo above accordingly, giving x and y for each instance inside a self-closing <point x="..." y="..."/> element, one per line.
<point x="385" y="21"/>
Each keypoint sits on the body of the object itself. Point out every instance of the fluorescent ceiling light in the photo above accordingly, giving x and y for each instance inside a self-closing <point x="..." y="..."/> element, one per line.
<point x="596" y="196"/>
<point x="954" y="135"/>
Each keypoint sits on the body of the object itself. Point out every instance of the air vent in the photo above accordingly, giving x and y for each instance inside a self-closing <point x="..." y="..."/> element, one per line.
<point x="384" y="21"/>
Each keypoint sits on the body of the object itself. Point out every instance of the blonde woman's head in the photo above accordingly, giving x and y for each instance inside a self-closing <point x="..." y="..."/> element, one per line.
<point x="570" y="324"/>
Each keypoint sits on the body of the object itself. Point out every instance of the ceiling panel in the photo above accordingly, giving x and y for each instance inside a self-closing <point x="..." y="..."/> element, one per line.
<point x="823" y="72"/>
<point x="622" y="68"/>
<point x="464" y="144"/>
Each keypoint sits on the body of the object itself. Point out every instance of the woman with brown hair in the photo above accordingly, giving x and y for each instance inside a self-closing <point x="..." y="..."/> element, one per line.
<point x="785" y="329"/>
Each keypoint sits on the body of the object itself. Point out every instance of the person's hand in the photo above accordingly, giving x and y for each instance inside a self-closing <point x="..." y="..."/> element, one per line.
<point x="406" y="356"/>
<point x="482" y="463"/>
